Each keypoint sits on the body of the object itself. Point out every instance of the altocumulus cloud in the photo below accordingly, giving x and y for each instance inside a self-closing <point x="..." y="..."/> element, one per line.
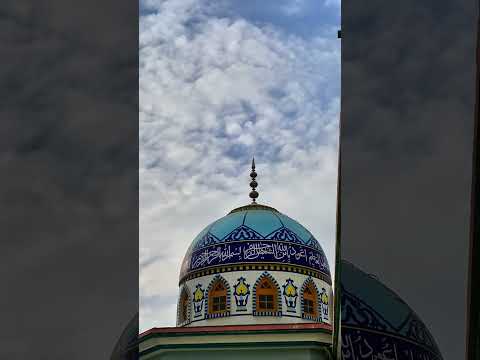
<point x="214" y="90"/>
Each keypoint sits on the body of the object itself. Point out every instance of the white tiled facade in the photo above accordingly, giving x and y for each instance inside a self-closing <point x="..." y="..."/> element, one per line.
<point x="238" y="315"/>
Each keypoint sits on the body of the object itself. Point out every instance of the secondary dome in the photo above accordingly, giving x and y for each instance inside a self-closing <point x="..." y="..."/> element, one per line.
<point x="252" y="234"/>
<point x="375" y="320"/>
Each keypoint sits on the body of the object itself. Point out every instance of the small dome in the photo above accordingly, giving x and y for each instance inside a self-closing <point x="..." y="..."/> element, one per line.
<point x="380" y="319"/>
<point x="255" y="233"/>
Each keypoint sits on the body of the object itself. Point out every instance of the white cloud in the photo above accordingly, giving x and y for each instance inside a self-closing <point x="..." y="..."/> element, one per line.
<point x="294" y="7"/>
<point x="333" y="3"/>
<point x="214" y="91"/>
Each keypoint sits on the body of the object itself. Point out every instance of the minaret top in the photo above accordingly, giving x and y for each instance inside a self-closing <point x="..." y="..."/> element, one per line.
<point x="253" y="183"/>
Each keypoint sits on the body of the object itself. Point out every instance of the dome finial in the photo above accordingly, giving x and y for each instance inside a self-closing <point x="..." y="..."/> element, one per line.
<point x="253" y="183"/>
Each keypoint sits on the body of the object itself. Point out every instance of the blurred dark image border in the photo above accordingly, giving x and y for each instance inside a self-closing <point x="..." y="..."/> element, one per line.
<point x="408" y="104"/>
<point x="473" y="307"/>
<point x="69" y="164"/>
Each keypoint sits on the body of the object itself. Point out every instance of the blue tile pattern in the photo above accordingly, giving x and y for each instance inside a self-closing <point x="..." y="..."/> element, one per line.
<point x="378" y="319"/>
<point x="254" y="225"/>
<point x="285" y="234"/>
<point x="254" y="233"/>
<point x="242" y="233"/>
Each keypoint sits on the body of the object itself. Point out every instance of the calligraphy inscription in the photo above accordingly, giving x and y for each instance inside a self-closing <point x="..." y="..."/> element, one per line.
<point x="252" y="251"/>
<point x="358" y="345"/>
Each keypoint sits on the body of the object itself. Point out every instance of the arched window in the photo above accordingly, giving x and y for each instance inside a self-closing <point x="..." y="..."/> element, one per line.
<point x="310" y="300"/>
<point x="266" y="293"/>
<point x="217" y="298"/>
<point x="183" y="307"/>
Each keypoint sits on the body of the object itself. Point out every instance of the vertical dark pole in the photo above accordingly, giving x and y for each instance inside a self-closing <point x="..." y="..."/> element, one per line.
<point x="473" y="314"/>
<point x="337" y="296"/>
<point x="338" y="269"/>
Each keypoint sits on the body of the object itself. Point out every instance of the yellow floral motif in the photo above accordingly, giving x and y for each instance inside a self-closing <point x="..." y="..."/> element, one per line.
<point x="325" y="298"/>
<point x="241" y="289"/>
<point x="290" y="290"/>
<point x="198" y="295"/>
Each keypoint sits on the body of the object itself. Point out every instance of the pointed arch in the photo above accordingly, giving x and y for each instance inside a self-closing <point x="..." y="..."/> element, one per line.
<point x="310" y="300"/>
<point x="267" y="298"/>
<point x="218" y="298"/>
<point x="183" y="306"/>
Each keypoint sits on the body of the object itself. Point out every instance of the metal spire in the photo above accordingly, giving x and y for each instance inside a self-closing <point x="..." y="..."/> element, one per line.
<point x="253" y="183"/>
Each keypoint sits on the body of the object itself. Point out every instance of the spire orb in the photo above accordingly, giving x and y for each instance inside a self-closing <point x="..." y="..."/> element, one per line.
<point x="253" y="183"/>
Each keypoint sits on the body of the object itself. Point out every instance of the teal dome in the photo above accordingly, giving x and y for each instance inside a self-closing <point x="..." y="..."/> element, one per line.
<point x="254" y="233"/>
<point x="376" y="317"/>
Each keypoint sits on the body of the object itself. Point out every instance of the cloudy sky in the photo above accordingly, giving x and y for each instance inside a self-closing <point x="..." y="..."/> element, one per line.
<point x="221" y="81"/>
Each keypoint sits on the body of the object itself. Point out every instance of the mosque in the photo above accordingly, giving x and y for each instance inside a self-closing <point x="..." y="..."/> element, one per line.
<point x="256" y="284"/>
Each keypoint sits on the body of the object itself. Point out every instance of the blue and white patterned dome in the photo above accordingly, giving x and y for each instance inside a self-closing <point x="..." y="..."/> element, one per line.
<point x="255" y="234"/>
<point x="378" y="323"/>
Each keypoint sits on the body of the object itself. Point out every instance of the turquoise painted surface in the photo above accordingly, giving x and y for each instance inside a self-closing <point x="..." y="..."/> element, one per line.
<point x="370" y="290"/>
<point x="262" y="222"/>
